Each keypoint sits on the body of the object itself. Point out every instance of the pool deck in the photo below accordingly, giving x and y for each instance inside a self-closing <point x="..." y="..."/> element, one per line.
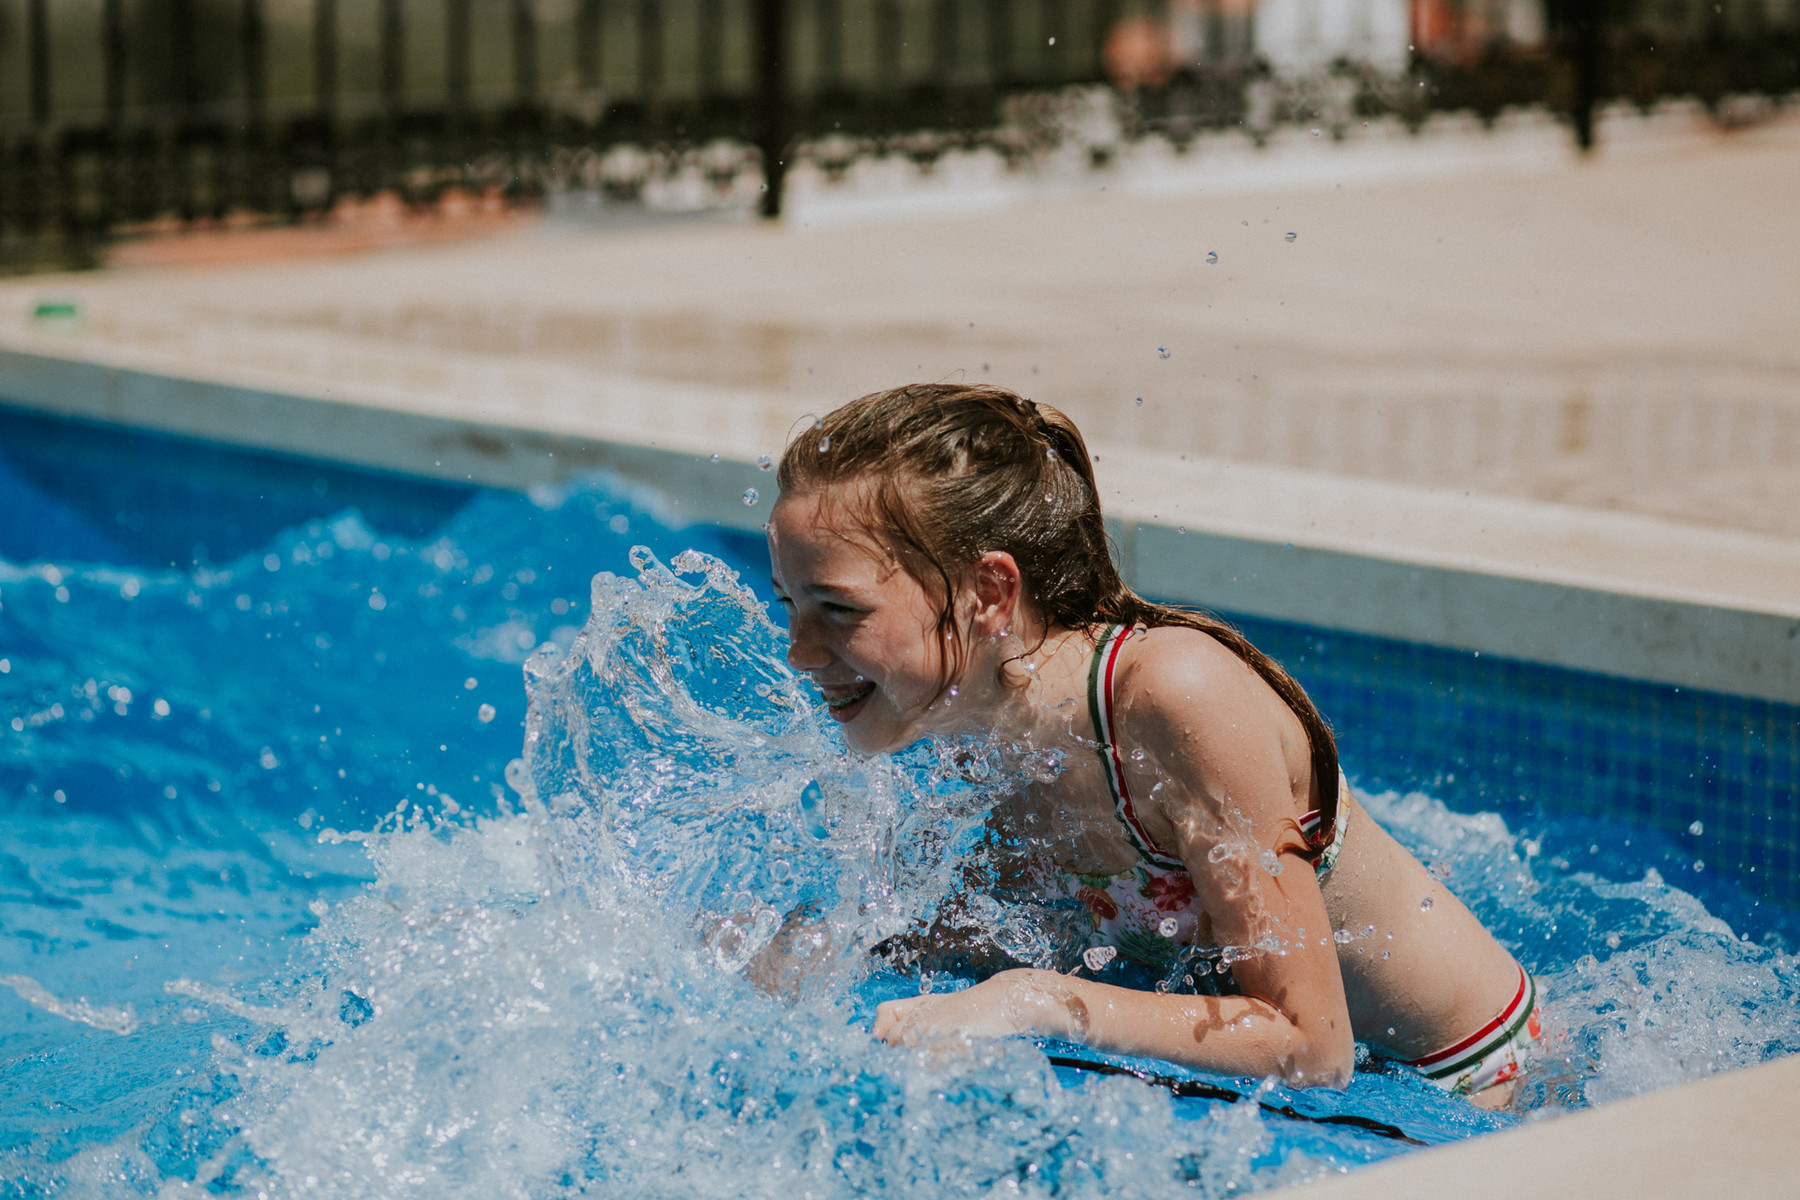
<point x="1488" y="397"/>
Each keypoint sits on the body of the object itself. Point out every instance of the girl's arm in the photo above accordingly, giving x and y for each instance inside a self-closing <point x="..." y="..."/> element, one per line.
<point x="1221" y="753"/>
<point x="1233" y="1035"/>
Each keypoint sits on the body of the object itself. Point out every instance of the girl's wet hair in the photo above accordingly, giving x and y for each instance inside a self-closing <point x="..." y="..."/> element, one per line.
<point x="953" y="471"/>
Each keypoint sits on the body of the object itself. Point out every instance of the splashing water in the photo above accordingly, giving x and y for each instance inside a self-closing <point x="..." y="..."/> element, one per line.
<point x="554" y="991"/>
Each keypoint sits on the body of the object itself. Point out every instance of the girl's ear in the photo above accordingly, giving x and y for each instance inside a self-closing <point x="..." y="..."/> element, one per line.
<point x="998" y="591"/>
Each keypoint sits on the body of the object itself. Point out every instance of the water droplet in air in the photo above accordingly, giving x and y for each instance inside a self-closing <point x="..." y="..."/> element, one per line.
<point x="1315" y="133"/>
<point x="1291" y="235"/>
<point x="1271" y="863"/>
<point x="1343" y="937"/>
<point x="1096" y="957"/>
<point x="1181" y="529"/>
<point x="1697" y="828"/>
<point x="1425" y="904"/>
<point x="1167" y="927"/>
<point x="1212" y="256"/>
<point x="1140" y="402"/>
<point x="824" y="444"/>
<point x="818" y="422"/>
<point x="1390" y="1031"/>
<point x="1387" y="954"/>
<point x="1162" y="351"/>
<point x="1048" y="498"/>
<point x="1612" y="941"/>
<point x="812" y="800"/>
<point x="1053" y="41"/>
<point x="751" y="496"/>
<point x="470" y="684"/>
<point x="766" y="463"/>
<point x="715" y="458"/>
<point x="485" y="713"/>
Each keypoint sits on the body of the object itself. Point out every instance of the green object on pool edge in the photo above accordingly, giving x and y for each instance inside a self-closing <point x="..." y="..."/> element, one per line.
<point x="56" y="310"/>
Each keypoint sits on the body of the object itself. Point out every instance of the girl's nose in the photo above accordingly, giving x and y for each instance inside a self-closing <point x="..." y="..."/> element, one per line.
<point x="805" y="652"/>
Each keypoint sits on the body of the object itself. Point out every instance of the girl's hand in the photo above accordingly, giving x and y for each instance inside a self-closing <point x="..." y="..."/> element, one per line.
<point x="1012" y="1002"/>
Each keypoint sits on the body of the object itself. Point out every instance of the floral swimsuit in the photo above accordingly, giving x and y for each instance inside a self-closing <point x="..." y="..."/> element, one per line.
<point x="1147" y="914"/>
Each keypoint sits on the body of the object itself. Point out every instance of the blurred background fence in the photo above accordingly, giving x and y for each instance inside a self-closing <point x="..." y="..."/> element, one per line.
<point x="119" y="116"/>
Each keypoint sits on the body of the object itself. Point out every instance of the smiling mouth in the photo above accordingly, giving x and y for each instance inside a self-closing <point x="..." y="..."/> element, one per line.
<point x="841" y="700"/>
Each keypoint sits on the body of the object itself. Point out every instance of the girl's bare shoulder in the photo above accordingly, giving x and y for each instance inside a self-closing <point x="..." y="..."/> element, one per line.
<point x="1187" y="669"/>
<point x="1183" y="686"/>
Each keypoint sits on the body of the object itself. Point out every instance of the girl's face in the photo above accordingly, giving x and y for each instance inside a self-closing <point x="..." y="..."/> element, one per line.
<point x="858" y="623"/>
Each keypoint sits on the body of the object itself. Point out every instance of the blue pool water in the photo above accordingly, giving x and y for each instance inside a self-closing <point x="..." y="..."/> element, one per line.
<point x="356" y="836"/>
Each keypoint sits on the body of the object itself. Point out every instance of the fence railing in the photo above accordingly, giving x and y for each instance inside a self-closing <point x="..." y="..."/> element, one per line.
<point x="116" y="114"/>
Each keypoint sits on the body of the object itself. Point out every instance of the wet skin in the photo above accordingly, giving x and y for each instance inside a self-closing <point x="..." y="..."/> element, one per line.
<point x="1219" y="768"/>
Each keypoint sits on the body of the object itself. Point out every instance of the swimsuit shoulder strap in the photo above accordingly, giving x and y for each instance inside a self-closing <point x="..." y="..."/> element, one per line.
<point x="1100" y="707"/>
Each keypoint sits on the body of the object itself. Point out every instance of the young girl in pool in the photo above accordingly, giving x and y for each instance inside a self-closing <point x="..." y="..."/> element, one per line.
<point x="941" y="555"/>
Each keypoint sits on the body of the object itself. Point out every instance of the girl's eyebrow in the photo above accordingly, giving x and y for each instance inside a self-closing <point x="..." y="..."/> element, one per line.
<point x="827" y="589"/>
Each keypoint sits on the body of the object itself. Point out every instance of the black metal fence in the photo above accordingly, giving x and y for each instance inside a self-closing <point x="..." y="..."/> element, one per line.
<point x="117" y="114"/>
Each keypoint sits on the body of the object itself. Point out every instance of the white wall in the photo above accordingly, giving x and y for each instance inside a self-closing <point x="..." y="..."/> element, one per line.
<point x="1300" y="37"/>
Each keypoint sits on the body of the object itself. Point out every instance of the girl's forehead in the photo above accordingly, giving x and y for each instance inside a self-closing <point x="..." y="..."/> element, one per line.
<point x="814" y="530"/>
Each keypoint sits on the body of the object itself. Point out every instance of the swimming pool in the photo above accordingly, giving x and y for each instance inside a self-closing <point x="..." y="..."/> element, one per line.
<point x="276" y="913"/>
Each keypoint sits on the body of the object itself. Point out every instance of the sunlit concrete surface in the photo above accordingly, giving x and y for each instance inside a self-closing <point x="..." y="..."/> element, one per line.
<point x="1730" y="1136"/>
<point x="1620" y="332"/>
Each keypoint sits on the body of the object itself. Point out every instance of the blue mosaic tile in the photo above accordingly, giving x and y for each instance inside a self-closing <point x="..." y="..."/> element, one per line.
<point x="1490" y="734"/>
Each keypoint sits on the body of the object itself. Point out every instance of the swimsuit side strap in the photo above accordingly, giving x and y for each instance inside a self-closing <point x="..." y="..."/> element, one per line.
<point x="1100" y="706"/>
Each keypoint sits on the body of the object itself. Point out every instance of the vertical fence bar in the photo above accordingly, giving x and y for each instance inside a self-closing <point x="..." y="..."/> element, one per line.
<point x="830" y="17"/>
<point x="588" y="45"/>
<point x="116" y="180"/>
<point x="772" y="99"/>
<point x="1106" y="15"/>
<point x="887" y="44"/>
<point x="253" y="159"/>
<point x="456" y="89"/>
<point x="325" y="59"/>
<point x="184" y="60"/>
<point x="944" y="40"/>
<point x="391" y="42"/>
<point x="187" y="93"/>
<point x="37" y="48"/>
<point x="650" y="56"/>
<point x="710" y="50"/>
<point x="1053" y="47"/>
<point x="253" y="38"/>
<point x="456" y="59"/>
<point x="112" y="58"/>
<point x="1000" y="40"/>
<point x="524" y="48"/>
<point x="393" y="57"/>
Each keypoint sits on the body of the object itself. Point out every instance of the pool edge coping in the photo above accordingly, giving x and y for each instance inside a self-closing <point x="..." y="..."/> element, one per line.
<point x="1727" y="1133"/>
<point x="1612" y="593"/>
